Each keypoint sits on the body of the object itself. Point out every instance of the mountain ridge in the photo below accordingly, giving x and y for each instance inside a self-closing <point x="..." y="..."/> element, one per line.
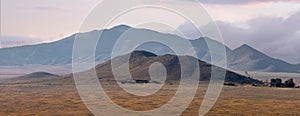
<point x="244" y="58"/>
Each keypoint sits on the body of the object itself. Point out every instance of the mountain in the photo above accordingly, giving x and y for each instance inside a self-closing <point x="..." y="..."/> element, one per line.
<point x="49" y="53"/>
<point x="246" y="58"/>
<point x="140" y="61"/>
<point x="60" y="52"/>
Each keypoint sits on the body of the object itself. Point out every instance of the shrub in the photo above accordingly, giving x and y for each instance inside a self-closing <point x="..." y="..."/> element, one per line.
<point x="276" y="82"/>
<point x="289" y="83"/>
<point x="230" y="84"/>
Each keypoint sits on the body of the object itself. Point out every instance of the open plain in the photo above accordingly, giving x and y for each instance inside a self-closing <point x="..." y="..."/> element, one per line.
<point x="58" y="96"/>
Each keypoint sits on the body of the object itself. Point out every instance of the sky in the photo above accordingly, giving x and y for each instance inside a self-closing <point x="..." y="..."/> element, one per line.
<point x="270" y="26"/>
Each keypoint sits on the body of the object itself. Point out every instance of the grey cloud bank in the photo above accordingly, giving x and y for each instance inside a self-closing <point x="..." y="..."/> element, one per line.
<point x="275" y="36"/>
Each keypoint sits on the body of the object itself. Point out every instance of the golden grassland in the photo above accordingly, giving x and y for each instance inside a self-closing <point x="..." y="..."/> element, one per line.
<point x="63" y="99"/>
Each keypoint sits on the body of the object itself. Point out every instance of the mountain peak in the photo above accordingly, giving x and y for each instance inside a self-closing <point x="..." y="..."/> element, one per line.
<point x="142" y="53"/>
<point x="121" y="27"/>
<point x="245" y="47"/>
<point x="246" y="50"/>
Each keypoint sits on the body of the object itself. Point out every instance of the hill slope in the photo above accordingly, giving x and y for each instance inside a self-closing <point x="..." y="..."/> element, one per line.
<point x="37" y="75"/>
<point x="140" y="61"/>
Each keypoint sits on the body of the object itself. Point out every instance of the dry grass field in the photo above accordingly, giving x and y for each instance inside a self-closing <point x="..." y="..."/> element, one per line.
<point x="61" y="98"/>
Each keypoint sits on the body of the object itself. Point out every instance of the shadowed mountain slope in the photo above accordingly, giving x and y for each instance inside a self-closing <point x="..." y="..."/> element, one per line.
<point x="140" y="61"/>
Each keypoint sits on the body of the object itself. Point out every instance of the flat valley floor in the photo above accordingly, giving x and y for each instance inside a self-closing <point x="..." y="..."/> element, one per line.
<point x="43" y="98"/>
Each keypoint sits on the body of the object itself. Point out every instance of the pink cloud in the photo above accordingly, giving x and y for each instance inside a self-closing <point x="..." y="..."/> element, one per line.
<point x="243" y="2"/>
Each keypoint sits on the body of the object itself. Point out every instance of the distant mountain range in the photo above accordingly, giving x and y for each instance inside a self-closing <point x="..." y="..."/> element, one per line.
<point x="244" y="58"/>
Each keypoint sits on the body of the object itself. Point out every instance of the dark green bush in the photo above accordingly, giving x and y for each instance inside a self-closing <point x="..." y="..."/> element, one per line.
<point x="289" y="83"/>
<point x="276" y="82"/>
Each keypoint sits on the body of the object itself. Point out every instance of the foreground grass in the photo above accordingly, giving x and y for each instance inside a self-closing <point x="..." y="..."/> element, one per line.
<point x="63" y="99"/>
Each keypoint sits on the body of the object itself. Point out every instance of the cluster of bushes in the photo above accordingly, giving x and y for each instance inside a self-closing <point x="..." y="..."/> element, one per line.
<point x="230" y="84"/>
<point x="278" y="83"/>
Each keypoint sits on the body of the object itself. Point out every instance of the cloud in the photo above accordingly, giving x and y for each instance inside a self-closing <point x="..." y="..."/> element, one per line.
<point x="48" y="8"/>
<point x="275" y="36"/>
<point x="241" y="2"/>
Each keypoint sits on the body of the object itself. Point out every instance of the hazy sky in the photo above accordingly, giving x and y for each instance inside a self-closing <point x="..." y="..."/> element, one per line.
<point x="270" y="26"/>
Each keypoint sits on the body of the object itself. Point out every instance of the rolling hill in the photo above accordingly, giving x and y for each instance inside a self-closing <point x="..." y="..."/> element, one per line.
<point x="141" y="61"/>
<point x="139" y="66"/>
<point x="37" y="75"/>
